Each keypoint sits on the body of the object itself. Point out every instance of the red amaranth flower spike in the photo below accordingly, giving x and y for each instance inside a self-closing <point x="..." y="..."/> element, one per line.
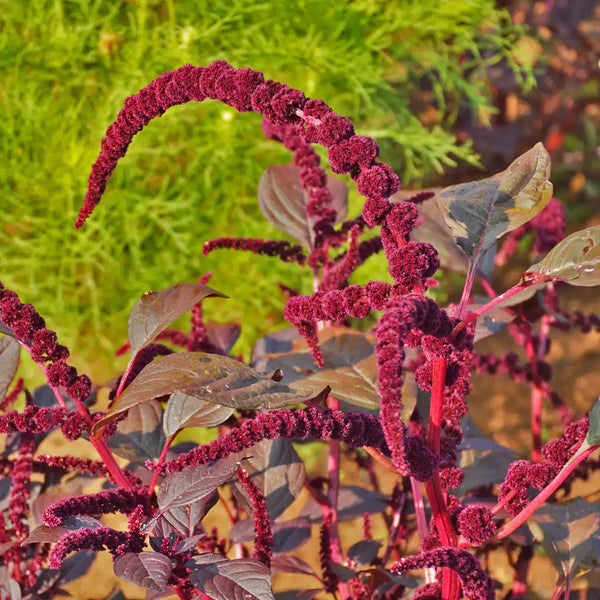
<point x="18" y="506"/>
<point x="475" y="524"/>
<point x="102" y="503"/>
<point x="354" y="429"/>
<point x="87" y="538"/>
<point x="263" y="540"/>
<point x="476" y="583"/>
<point x="282" y="249"/>
<point x="330" y="579"/>
<point x="36" y="419"/>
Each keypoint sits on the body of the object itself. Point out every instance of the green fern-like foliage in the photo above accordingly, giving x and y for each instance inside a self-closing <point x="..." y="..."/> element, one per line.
<point x="67" y="67"/>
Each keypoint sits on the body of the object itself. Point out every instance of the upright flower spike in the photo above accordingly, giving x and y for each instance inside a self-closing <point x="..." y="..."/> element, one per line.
<point x="263" y="540"/>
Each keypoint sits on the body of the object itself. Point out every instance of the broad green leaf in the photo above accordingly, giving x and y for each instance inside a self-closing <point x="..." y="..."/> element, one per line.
<point x="9" y="362"/>
<point x="211" y="377"/>
<point x="278" y="472"/>
<point x="479" y="212"/>
<point x="155" y="311"/>
<point x="575" y="260"/>
<point x="282" y="201"/>
<point x="569" y="532"/>
<point x="350" y="368"/>
<point x="183" y="411"/>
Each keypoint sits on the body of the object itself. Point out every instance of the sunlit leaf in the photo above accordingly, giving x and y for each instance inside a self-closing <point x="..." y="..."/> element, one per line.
<point x="282" y="201"/>
<point x="350" y="368"/>
<point x="276" y="469"/>
<point x="155" y="311"/>
<point x="210" y="377"/>
<point x="9" y="362"/>
<point x="183" y="411"/>
<point x="479" y="212"/>
<point x="147" y="569"/>
<point x="568" y="532"/>
<point x="575" y="260"/>
<point x="224" y="579"/>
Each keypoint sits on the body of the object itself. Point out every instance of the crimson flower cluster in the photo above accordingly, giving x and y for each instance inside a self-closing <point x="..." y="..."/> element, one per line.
<point x="88" y="538"/>
<point x="102" y="503"/>
<point x="355" y="429"/>
<point x="476" y="583"/>
<point x="36" y="419"/>
<point x="284" y="250"/>
<point x="523" y="474"/>
<point x="29" y="328"/>
<point x="263" y="541"/>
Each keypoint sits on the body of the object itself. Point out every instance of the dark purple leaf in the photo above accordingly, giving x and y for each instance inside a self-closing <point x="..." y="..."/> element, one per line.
<point x="185" y="521"/>
<point x="184" y="411"/>
<point x="48" y="535"/>
<point x="282" y="201"/>
<point x="223" y="335"/>
<point x="155" y="311"/>
<point x="298" y="594"/>
<point x="287" y="535"/>
<point x="276" y="468"/>
<point x="9" y="362"/>
<point x="344" y="573"/>
<point x="189" y="543"/>
<point x="224" y="579"/>
<point x="284" y="563"/>
<point x="364" y="552"/>
<point x="147" y="569"/>
<point x="192" y="487"/>
<point x="140" y="436"/>
<point x="277" y="342"/>
<point x="353" y="502"/>
<point x="492" y="322"/>
<point x="76" y="566"/>
<point x="350" y="368"/>
<point x="210" y="377"/>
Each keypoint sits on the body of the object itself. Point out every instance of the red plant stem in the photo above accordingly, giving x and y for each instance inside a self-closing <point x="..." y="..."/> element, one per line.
<point x="380" y="458"/>
<point x="333" y="472"/>
<point x="421" y="522"/>
<point x="544" y="494"/>
<point x="226" y="507"/>
<point x="99" y="444"/>
<point x="161" y="460"/>
<point x="519" y="586"/>
<point x="125" y="376"/>
<point x="464" y="300"/>
<point x="500" y="505"/>
<point x="537" y="396"/>
<point x="433" y="487"/>
<point x="483" y="309"/>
